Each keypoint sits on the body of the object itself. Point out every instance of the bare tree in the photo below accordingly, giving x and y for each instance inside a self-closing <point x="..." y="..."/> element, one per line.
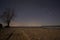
<point x="7" y="16"/>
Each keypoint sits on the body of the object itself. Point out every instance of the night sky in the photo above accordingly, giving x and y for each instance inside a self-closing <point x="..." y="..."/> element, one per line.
<point x="33" y="12"/>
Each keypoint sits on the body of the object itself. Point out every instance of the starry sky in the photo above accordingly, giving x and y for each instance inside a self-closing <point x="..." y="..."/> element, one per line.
<point x="33" y="12"/>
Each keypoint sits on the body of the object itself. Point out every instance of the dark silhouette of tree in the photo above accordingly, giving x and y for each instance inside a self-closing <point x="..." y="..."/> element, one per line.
<point x="1" y="25"/>
<point x="7" y="16"/>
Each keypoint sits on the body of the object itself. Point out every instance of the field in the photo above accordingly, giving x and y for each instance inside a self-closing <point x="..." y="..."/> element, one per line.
<point x="30" y="34"/>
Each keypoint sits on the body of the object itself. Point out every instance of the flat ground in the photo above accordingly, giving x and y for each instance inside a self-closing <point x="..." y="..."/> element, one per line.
<point x="30" y="34"/>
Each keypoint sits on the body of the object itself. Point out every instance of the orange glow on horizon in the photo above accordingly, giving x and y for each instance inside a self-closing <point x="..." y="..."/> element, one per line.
<point x="25" y="24"/>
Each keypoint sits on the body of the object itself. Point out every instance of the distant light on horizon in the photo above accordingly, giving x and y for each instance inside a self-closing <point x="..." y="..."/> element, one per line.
<point x="25" y="24"/>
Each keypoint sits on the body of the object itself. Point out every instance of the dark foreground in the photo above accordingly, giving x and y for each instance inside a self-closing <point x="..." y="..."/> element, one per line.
<point x="30" y="34"/>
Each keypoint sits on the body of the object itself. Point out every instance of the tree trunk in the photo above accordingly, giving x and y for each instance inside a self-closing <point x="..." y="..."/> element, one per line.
<point x="8" y="25"/>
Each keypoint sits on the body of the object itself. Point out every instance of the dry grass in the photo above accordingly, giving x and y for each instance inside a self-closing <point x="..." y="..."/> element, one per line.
<point x="43" y="34"/>
<point x="33" y="34"/>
